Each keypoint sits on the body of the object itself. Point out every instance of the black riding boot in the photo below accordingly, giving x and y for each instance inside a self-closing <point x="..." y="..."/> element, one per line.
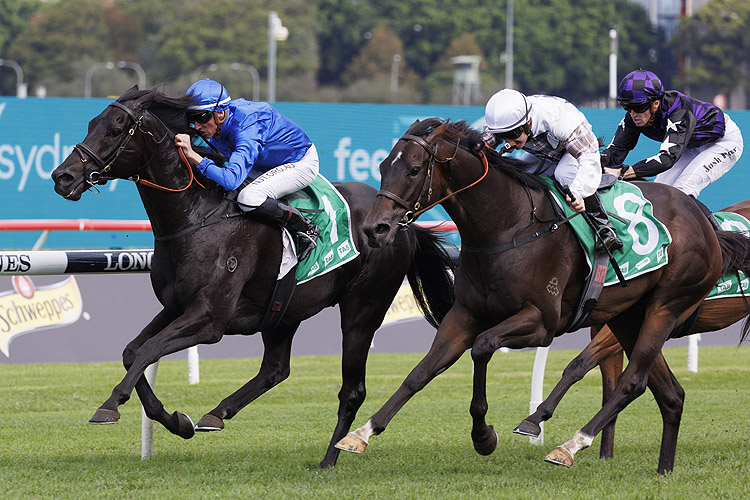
<point x="598" y="218"/>
<point x="303" y="229"/>
<point x="707" y="212"/>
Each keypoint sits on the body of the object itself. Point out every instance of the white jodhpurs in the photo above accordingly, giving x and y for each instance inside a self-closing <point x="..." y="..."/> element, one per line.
<point x="280" y="181"/>
<point x="699" y="167"/>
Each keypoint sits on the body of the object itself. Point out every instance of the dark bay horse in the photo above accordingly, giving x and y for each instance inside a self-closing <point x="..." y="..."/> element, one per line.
<point x="217" y="279"/>
<point x="605" y="351"/>
<point x="521" y="273"/>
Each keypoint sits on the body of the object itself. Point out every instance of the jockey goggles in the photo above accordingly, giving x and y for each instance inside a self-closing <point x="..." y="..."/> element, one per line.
<point x="200" y="117"/>
<point x="638" y="107"/>
<point x="511" y="134"/>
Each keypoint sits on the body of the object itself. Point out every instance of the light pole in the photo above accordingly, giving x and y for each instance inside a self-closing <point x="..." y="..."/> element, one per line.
<point x="253" y="73"/>
<point x="395" y="60"/>
<point x="509" y="46"/>
<point x="90" y="73"/>
<point x="20" y="86"/>
<point x="612" y="67"/>
<point x="276" y="32"/>
<point x="138" y="70"/>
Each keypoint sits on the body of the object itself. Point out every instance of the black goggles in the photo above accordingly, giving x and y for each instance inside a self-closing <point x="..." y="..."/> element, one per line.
<point x="510" y="134"/>
<point x="638" y="107"/>
<point x="200" y="117"/>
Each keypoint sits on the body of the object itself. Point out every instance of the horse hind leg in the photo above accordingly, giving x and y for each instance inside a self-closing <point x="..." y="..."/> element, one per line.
<point x="631" y="384"/>
<point x="274" y="369"/>
<point x="596" y="352"/>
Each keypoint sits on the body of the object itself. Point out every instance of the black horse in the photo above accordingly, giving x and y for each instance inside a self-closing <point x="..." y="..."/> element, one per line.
<point x="521" y="273"/>
<point x="217" y="279"/>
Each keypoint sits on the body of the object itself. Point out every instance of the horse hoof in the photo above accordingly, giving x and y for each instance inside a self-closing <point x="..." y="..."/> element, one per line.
<point x="527" y="428"/>
<point x="104" y="416"/>
<point x="559" y="456"/>
<point x="185" y="426"/>
<point x="209" y="423"/>
<point x="353" y="443"/>
<point x="487" y="446"/>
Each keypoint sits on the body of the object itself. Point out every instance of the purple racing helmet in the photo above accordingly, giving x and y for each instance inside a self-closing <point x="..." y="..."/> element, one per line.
<point x="639" y="87"/>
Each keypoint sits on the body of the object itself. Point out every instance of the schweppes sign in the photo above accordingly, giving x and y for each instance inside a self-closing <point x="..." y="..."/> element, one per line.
<point x="403" y="308"/>
<point x="27" y="308"/>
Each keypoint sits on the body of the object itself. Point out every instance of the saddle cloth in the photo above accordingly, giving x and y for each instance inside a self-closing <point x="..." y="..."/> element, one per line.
<point x="729" y="285"/>
<point x="324" y="205"/>
<point x="645" y="239"/>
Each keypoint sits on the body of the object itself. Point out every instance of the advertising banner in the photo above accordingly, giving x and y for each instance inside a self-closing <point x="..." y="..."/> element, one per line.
<point x="351" y="139"/>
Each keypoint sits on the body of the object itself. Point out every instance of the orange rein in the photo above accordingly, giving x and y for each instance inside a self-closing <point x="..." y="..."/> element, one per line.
<point x="486" y="169"/>
<point x="162" y="188"/>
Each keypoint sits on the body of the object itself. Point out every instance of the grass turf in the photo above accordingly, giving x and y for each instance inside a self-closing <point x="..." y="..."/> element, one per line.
<point x="272" y="447"/>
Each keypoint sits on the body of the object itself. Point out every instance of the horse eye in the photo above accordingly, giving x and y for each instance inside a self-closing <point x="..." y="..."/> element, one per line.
<point x="115" y="132"/>
<point x="415" y="170"/>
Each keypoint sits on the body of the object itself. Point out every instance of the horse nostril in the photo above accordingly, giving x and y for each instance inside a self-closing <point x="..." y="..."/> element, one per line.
<point x="62" y="178"/>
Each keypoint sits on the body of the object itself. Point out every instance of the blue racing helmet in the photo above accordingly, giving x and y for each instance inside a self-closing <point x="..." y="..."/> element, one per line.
<point x="208" y="95"/>
<point x="639" y="87"/>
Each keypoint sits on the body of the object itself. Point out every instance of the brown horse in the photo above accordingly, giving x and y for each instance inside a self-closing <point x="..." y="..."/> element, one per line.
<point x="605" y="351"/>
<point x="214" y="270"/>
<point x="521" y="273"/>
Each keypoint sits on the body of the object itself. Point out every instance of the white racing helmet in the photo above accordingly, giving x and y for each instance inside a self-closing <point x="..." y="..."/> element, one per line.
<point x="506" y="110"/>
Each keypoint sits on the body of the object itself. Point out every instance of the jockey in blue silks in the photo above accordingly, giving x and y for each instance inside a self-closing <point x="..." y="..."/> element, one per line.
<point x="255" y="137"/>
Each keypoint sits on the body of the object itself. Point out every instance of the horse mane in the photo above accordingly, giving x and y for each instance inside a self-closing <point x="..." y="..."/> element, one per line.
<point x="470" y="138"/>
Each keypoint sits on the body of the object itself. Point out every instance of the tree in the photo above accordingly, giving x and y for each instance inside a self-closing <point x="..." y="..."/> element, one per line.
<point x="58" y="35"/>
<point x="717" y="40"/>
<point x="562" y="46"/>
<point x="14" y="17"/>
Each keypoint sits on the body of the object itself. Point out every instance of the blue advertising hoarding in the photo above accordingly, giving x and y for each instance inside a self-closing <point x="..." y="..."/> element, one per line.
<point x="352" y="140"/>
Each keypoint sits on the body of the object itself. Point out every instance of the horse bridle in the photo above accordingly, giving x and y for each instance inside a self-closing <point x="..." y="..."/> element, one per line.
<point x="412" y="212"/>
<point x="105" y="165"/>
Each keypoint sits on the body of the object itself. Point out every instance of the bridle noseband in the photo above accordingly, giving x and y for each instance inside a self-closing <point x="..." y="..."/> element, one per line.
<point x="95" y="177"/>
<point x="412" y="212"/>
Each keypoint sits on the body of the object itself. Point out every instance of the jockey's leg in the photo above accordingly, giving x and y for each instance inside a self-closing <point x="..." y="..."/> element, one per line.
<point x="599" y="219"/>
<point x="304" y="230"/>
<point x="261" y="197"/>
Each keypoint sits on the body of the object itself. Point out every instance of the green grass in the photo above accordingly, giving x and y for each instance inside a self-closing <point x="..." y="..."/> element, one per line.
<point x="269" y="450"/>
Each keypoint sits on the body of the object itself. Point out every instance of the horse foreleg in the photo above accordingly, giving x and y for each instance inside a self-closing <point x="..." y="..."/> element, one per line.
<point x="526" y="324"/>
<point x="274" y="369"/>
<point x="107" y="412"/>
<point x="596" y="352"/>
<point x="186" y="331"/>
<point x="453" y="338"/>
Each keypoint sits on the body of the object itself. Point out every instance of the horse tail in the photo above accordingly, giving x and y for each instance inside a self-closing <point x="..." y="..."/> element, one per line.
<point x="735" y="253"/>
<point x="430" y="275"/>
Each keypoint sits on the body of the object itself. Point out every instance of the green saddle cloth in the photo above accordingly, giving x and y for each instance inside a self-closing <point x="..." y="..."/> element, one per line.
<point x="324" y="205"/>
<point x="645" y="239"/>
<point x="729" y="285"/>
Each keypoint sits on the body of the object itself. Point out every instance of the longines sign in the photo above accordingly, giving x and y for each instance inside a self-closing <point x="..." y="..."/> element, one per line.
<point x="75" y="262"/>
